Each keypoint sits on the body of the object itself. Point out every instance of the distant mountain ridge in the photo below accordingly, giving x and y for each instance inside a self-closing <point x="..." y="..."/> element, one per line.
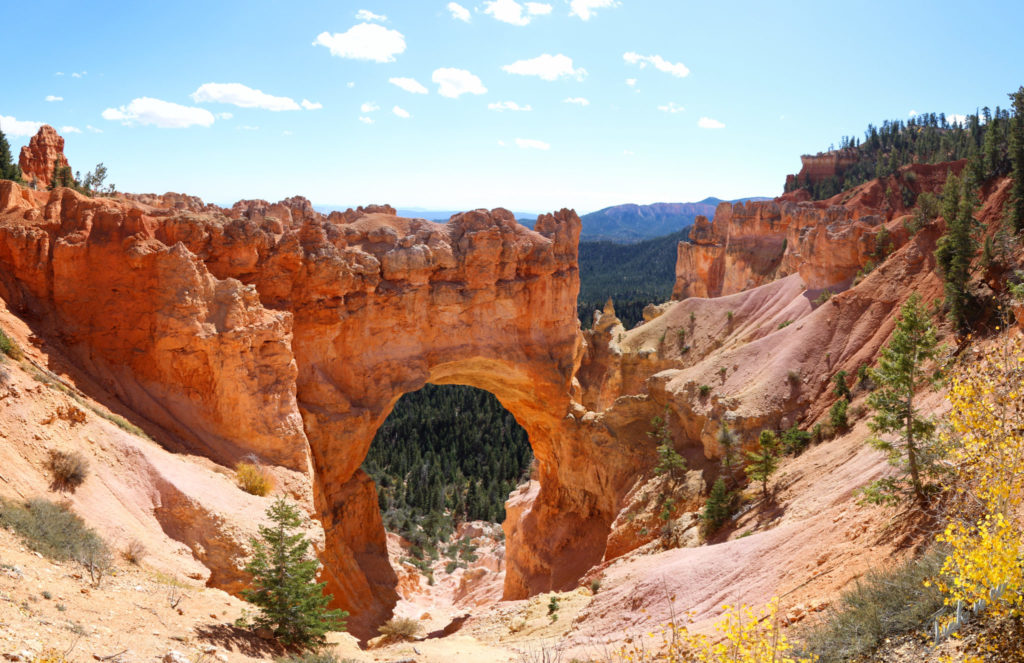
<point x="630" y="223"/>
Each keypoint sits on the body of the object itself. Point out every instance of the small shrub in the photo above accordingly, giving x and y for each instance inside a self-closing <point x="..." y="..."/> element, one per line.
<point x="47" y="595"/>
<point x="400" y="629"/>
<point x="553" y="608"/>
<point x="825" y="295"/>
<point x="595" y="585"/>
<point x="317" y="656"/>
<point x="794" y="441"/>
<point x="54" y="531"/>
<point x="793" y="377"/>
<point x="681" y="333"/>
<point x="785" y="323"/>
<point x="880" y="605"/>
<point x="9" y="347"/>
<point x="704" y="390"/>
<point x="729" y="316"/>
<point x="450" y="567"/>
<point x="253" y="479"/>
<point x="67" y="470"/>
<point x="837" y="415"/>
<point x="134" y="552"/>
<point x="61" y="607"/>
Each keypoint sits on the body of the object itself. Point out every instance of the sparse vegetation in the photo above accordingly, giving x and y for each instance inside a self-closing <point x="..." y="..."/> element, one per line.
<point x="763" y="463"/>
<point x="669" y="460"/>
<point x="717" y="509"/>
<point x="134" y="552"/>
<point x="400" y="629"/>
<point x="825" y="295"/>
<point x="785" y="323"/>
<point x="704" y="390"/>
<point x="595" y="585"/>
<point x="68" y="469"/>
<point x="292" y="604"/>
<point x="8" y="346"/>
<point x="54" y="531"/>
<point x="794" y="441"/>
<point x="553" y="608"/>
<point x="837" y="415"/>
<point x="253" y="478"/>
<point x="316" y="656"/>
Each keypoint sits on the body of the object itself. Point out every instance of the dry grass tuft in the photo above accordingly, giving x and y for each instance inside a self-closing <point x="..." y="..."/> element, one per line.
<point x="67" y="469"/>
<point x="253" y="479"/>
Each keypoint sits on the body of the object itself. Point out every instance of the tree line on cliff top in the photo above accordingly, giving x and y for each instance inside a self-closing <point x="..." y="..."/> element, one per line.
<point x="988" y="139"/>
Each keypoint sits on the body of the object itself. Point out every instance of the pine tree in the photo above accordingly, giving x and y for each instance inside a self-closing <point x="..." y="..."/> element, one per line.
<point x="728" y="441"/>
<point x="764" y="461"/>
<point x="8" y="169"/>
<point x="717" y="509"/>
<point x="669" y="460"/>
<point x="956" y="249"/>
<point x="841" y="390"/>
<point x="292" y="604"/>
<point x="1017" y="160"/>
<point x="900" y="373"/>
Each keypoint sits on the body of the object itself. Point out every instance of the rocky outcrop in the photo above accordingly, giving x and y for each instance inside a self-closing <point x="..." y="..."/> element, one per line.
<point x="826" y="242"/>
<point x="818" y="167"/>
<point x="270" y="329"/>
<point x="38" y="158"/>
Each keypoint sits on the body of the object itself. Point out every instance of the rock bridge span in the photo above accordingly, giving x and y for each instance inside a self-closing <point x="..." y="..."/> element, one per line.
<point x="275" y="330"/>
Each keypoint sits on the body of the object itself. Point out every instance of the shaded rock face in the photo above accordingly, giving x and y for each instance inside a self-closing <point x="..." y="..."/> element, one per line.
<point x="817" y="167"/>
<point x="270" y="329"/>
<point x="38" y="157"/>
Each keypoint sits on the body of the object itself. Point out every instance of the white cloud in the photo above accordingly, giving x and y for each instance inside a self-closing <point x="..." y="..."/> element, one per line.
<point x="510" y="11"/>
<point x="628" y="153"/>
<point x="93" y="129"/>
<point x="671" y="107"/>
<point x="508" y="105"/>
<point x="401" y="112"/>
<point x="366" y="120"/>
<point x="458" y="12"/>
<point x="912" y="113"/>
<point x="365" y="41"/>
<point x="501" y="143"/>
<point x="369" y="107"/>
<point x="70" y="130"/>
<point x="286" y="132"/>
<point x="59" y="73"/>
<point x="159" y="113"/>
<point x="350" y="84"/>
<point x="310" y="105"/>
<point x="677" y="69"/>
<point x="367" y="15"/>
<point x="531" y="144"/>
<point x="409" y="85"/>
<point x="456" y="82"/>
<point x="247" y="127"/>
<point x="548" y="67"/>
<point x="708" y="123"/>
<point x="79" y="74"/>
<point x="579" y="101"/>
<point x="585" y="8"/>
<point x="225" y="116"/>
<point x="242" y="96"/>
<point x="956" y="118"/>
<point x="631" y="82"/>
<point x="51" y="97"/>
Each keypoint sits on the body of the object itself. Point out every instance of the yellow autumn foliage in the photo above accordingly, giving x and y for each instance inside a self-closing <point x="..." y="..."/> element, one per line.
<point x="985" y="444"/>
<point x="743" y="636"/>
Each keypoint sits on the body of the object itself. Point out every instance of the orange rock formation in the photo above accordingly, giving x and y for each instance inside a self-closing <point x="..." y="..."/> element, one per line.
<point x="38" y="157"/>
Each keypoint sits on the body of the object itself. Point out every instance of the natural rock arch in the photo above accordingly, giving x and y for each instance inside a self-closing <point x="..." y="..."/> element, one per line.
<point x="276" y="330"/>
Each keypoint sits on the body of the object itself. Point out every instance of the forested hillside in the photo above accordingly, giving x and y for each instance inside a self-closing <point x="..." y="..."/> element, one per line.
<point x="446" y="454"/>
<point x="983" y="138"/>
<point x="633" y="275"/>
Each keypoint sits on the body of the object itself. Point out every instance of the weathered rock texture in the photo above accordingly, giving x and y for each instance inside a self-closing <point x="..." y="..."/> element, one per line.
<point x="37" y="159"/>
<point x="817" y="167"/>
<point x="270" y="329"/>
<point x="826" y="242"/>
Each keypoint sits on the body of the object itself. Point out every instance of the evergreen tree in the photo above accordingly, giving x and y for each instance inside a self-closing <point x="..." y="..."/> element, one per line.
<point x="764" y="461"/>
<point x="956" y="249"/>
<point x="841" y="390"/>
<point x="728" y="441"/>
<point x="1017" y="160"/>
<point x="669" y="460"/>
<point x="717" y="509"/>
<point x="292" y="604"/>
<point x="900" y="373"/>
<point x="8" y="169"/>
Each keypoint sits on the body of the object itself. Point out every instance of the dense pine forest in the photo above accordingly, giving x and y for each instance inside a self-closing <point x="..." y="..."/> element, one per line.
<point x="985" y="138"/>
<point x="446" y="454"/>
<point x="633" y="275"/>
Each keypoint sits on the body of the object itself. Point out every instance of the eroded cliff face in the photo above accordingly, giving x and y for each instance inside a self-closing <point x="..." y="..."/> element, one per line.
<point x="37" y="159"/>
<point x="825" y="242"/>
<point x="271" y="329"/>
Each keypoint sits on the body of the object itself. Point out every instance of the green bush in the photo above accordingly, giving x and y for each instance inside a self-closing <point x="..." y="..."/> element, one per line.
<point x="717" y="509"/>
<point x="318" y="656"/>
<point x="9" y="347"/>
<point x="54" y="531"/>
<point x="881" y="605"/>
<point x="794" y="441"/>
<point x="837" y="415"/>
<point x="704" y="390"/>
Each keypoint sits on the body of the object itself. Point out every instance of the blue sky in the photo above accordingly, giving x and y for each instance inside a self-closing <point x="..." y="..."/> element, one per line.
<point x="415" y="103"/>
